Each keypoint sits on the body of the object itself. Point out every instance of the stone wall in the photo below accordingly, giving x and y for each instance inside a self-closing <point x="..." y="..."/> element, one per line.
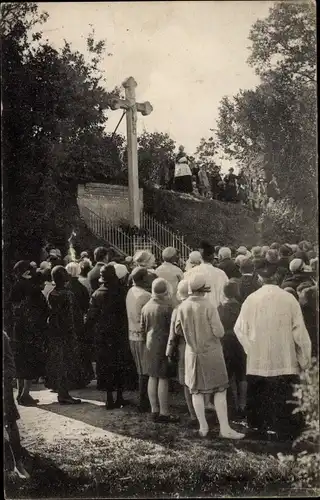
<point x="109" y="200"/>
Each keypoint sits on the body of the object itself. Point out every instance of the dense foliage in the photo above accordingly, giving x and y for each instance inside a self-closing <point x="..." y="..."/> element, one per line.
<point x="155" y="155"/>
<point x="305" y="465"/>
<point x="273" y="127"/>
<point x="282" y="221"/>
<point x="54" y="113"/>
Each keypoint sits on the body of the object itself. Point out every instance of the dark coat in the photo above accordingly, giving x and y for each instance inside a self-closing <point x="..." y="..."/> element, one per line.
<point x="295" y="280"/>
<point x="235" y="357"/>
<point x="107" y="319"/>
<point x="310" y="315"/>
<point x="64" y="361"/>
<point x="81" y="306"/>
<point x="283" y="270"/>
<point x="29" y="328"/>
<point x="94" y="276"/>
<point x="230" y="268"/>
<point x="247" y="285"/>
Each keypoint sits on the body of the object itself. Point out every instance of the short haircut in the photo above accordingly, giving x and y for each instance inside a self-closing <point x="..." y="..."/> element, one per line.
<point x="100" y="254"/>
<point x="231" y="289"/>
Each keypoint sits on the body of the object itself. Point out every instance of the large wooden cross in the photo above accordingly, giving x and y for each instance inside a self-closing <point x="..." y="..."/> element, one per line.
<point x="132" y="107"/>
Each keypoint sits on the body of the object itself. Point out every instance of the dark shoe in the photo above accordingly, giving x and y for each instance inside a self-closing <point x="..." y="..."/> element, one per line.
<point x="69" y="401"/>
<point x="27" y="401"/>
<point x="168" y="419"/>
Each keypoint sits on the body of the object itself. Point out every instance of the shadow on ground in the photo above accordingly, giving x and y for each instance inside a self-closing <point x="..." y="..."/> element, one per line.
<point x="130" y="423"/>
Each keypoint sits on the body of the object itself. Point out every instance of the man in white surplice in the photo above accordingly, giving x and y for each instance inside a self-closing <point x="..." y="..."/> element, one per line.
<point x="271" y="329"/>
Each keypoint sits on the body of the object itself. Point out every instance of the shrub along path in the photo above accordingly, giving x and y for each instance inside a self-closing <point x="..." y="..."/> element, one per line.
<point x="86" y="451"/>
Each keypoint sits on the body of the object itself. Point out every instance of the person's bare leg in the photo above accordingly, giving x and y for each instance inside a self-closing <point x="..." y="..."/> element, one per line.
<point x="198" y="405"/>
<point x="152" y="394"/>
<point x="163" y="396"/>
<point x="188" y="399"/>
<point x="220" y="402"/>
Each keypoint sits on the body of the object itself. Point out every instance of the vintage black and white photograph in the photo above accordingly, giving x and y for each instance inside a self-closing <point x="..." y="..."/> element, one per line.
<point x="160" y="249"/>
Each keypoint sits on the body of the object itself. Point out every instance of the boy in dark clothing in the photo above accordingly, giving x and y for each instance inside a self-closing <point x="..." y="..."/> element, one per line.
<point x="234" y="355"/>
<point x="248" y="283"/>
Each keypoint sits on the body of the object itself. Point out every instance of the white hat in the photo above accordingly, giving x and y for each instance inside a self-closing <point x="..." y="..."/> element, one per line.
<point x="195" y="257"/>
<point x="197" y="283"/>
<point x="296" y="265"/>
<point x="242" y="250"/>
<point x="224" y="253"/>
<point x="240" y="258"/>
<point x="144" y="258"/>
<point x="121" y="270"/>
<point x="183" y="289"/>
<point x="169" y="253"/>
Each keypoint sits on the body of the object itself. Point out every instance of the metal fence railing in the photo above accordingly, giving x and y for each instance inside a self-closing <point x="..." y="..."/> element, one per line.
<point x="156" y="237"/>
<point x="164" y="236"/>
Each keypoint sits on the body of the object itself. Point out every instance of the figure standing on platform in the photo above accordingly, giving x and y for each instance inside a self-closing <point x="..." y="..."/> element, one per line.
<point x="183" y="176"/>
<point x="231" y="186"/>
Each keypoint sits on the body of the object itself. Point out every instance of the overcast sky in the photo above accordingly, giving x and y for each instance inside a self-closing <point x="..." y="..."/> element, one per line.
<point x="185" y="56"/>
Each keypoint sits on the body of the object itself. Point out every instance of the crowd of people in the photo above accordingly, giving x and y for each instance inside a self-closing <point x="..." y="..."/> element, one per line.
<point x="235" y="327"/>
<point x="186" y="177"/>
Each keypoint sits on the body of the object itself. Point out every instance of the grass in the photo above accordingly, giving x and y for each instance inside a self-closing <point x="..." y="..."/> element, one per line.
<point x="132" y="457"/>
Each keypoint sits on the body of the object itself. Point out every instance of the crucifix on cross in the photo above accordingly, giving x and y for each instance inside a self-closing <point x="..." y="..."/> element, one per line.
<point x="131" y="107"/>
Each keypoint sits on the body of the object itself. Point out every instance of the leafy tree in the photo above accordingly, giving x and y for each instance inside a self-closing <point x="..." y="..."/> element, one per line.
<point x="54" y="115"/>
<point x="273" y="127"/>
<point x="155" y="155"/>
<point x="285" y="42"/>
<point x="206" y="153"/>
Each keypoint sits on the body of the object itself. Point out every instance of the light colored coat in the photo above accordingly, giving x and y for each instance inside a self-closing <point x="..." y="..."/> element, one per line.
<point x="173" y="275"/>
<point x="199" y="322"/>
<point x="271" y="329"/>
<point x="215" y="279"/>
<point x="136" y="298"/>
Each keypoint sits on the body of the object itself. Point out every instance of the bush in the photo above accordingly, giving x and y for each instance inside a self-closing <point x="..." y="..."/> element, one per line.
<point x="284" y="222"/>
<point x="201" y="219"/>
<point x="305" y="465"/>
